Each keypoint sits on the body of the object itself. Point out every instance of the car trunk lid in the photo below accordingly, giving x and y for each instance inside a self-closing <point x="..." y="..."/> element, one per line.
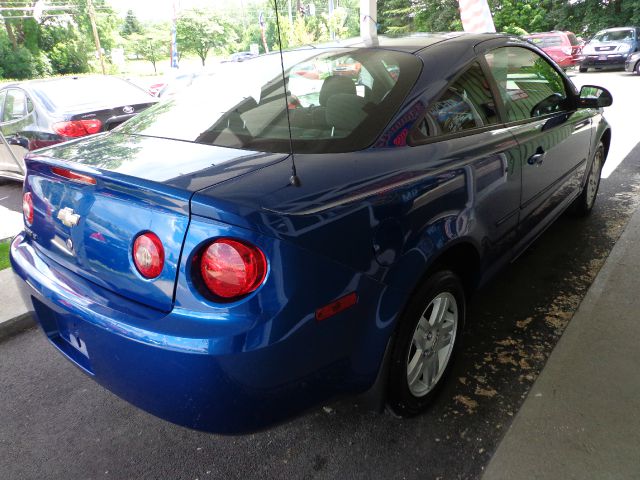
<point x="112" y="116"/>
<point x="88" y="220"/>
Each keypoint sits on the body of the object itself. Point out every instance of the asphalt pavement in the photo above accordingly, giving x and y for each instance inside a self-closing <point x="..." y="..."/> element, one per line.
<point x="57" y="423"/>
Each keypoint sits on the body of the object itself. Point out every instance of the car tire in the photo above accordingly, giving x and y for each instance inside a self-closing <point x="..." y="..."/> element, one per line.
<point x="426" y="340"/>
<point x="587" y="198"/>
<point x="583" y="69"/>
<point x="637" y="69"/>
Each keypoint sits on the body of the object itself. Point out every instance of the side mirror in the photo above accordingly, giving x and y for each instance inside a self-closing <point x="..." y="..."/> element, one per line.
<point x="594" y="97"/>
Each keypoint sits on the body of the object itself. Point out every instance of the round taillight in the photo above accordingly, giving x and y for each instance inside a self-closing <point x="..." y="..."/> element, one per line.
<point x="27" y="207"/>
<point x="148" y="255"/>
<point x="231" y="268"/>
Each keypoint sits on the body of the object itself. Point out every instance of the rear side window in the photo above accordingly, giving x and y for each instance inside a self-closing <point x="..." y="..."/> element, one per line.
<point x="466" y="104"/>
<point x="336" y="101"/>
<point x="15" y="106"/>
<point x="3" y="95"/>
<point x="530" y="87"/>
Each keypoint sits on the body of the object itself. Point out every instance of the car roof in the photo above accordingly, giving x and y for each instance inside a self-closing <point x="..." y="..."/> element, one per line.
<point x="412" y="43"/>
<point x="31" y="84"/>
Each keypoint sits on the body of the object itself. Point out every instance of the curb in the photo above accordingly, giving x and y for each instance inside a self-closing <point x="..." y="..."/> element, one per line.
<point x="16" y="325"/>
<point x="15" y="316"/>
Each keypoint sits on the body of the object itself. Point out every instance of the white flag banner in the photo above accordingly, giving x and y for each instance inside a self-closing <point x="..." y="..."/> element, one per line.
<point x="476" y="16"/>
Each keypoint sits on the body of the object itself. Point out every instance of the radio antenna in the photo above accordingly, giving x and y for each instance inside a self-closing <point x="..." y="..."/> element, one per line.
<point x="294" y="179"/>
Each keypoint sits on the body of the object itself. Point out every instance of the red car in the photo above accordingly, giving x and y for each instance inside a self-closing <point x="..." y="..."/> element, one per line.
<point x="563" y="47"/>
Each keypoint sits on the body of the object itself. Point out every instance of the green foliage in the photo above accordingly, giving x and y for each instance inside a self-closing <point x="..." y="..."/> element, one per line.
<point x="18" y="64"/>
<point x="394" y="16"/>
<point x="152" y="46"/>
<point x="437" y="16"/>
<point x="131" y="25"/>
<point x="200" y="31"/>
<point x="4" y="255"/>
<point x="70" y="57"/>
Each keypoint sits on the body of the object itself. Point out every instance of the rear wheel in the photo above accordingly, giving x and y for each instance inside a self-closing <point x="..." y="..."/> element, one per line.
<point x="584" y="203"/>
<point x="583" y="69"/>
<point x="425" y="343"/>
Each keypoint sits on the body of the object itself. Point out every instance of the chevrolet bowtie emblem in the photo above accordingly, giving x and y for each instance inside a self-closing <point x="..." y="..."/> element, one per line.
<point x="68" y="218"/>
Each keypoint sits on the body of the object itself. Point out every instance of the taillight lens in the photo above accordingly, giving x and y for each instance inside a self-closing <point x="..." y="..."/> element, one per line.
<point x="148" y="255"/>
<point x="231" y="268"/>
<point x="27" y="207"/>
<point x="77" y="128"/>
<point x="73" y="176"/>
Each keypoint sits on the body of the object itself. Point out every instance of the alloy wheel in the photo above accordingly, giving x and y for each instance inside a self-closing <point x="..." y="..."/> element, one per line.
<point x="432" y="344"/>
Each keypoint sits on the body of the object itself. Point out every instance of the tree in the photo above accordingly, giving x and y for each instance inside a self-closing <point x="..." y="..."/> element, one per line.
<point x="152" y="46"/>
<point x="131" y="25"/>
<point x="394" y="16"/>
<point x="199" y="31"/>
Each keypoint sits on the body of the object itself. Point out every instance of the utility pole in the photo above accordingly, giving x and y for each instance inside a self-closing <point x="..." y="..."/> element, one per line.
<point x="92" y="17"/>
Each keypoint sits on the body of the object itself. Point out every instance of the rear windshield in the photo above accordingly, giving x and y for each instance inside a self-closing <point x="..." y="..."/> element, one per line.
<point x="86" y="92"/>
<point x="613" y="36"/>
<point x="573" y="39"/>
<point x="337" y="100"/>
<point x="547" y="41"/>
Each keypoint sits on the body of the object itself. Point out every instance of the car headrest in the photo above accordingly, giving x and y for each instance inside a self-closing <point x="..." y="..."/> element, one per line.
<point x="334" y="85"/>
<point x="345" y="111"/>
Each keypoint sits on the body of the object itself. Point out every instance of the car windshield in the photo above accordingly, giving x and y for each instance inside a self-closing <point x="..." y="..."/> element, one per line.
<point x="337" y="100"/>
<point x="73" y="93"/>
<point x="613" y="36"/>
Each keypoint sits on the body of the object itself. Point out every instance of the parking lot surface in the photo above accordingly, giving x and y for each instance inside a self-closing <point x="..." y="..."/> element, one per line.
<point x="57" y="423"/>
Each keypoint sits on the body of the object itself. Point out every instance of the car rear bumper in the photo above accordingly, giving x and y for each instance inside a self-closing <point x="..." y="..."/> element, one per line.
<point x="604" y="61"/>
<point x="221" y="384"/>
<point x="565" y="61"/>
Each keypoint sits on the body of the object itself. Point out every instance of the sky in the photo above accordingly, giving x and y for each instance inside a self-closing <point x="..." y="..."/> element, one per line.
<point x="157" y="10"/>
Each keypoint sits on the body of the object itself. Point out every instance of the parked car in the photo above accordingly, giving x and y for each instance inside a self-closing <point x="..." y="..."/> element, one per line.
<point x="633" y="63"/>
<point x="563" y="47"/>
<point x="177" y="84"/>
<point x="40" y="113"/>
<point x="610" y="48"/>
<point x="241" y="56"/>
<point x="224" y="262"/>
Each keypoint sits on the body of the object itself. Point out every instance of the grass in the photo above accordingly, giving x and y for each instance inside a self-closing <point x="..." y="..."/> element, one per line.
<point x="4" y="255"/>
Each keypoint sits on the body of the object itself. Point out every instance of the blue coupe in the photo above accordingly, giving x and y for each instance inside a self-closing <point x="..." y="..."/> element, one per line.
<point x="268" y="240"/>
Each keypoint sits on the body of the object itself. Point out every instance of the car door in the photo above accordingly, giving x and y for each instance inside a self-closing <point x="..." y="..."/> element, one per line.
<point x="15" y="122"/>
<point x="554" y="136"/>
<point x="462" y="137"/>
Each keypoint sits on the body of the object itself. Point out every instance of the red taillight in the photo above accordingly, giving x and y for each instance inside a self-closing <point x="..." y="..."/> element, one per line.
<point x="73" y="176"/>
<point x="77" y="128"/>
<point x="231" y="268"/>
<point x="148" y="255"/>
<point x="27" y="208"/>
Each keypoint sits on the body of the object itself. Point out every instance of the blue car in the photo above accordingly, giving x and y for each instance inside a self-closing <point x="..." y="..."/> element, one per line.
<point x="264" y="242"/>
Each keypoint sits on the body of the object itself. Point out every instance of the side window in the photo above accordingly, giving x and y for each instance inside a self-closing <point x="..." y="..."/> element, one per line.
<point x="3" y="95"/>
<point x="15" y="106"/>
<point x="466" y="104"/>
<point x="530" y="87"/>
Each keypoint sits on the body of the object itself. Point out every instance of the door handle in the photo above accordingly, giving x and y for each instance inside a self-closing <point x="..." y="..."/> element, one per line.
<point x="582" y="124"/>
<point x="537" y="158"/>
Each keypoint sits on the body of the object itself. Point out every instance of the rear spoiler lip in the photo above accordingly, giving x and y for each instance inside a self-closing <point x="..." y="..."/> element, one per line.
<point x="172" y="198"/>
